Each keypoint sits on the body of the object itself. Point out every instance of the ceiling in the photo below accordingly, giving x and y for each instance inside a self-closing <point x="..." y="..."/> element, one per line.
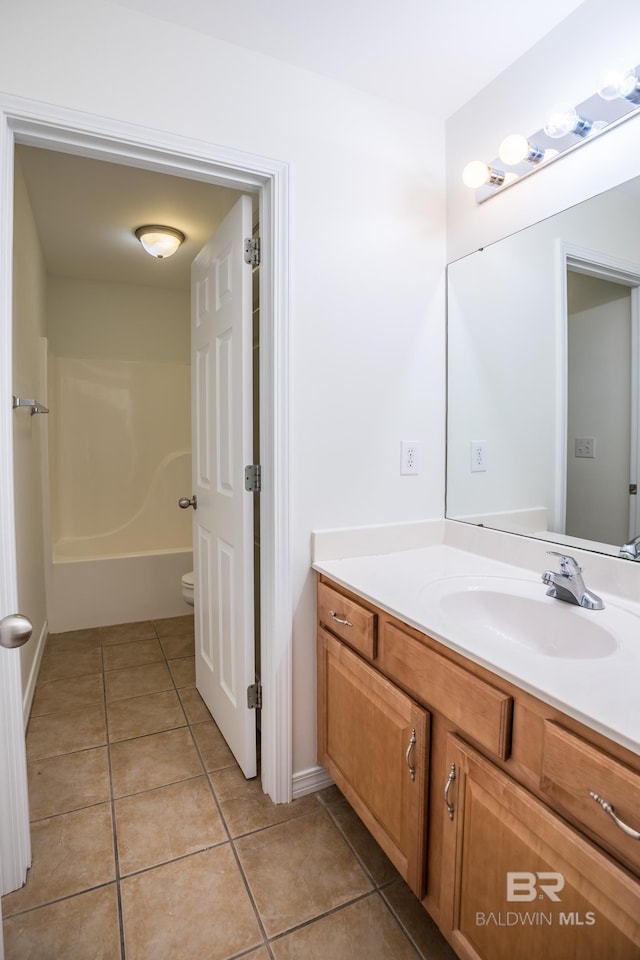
<point x="86" y="210"/>
<point x="431" y="56"/>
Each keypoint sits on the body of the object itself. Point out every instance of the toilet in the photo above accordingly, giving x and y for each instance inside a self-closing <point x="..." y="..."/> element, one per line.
<point x="187" y="588"/>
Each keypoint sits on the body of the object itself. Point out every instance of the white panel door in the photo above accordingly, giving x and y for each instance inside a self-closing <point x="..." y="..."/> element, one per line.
<point x="221" y="346"/>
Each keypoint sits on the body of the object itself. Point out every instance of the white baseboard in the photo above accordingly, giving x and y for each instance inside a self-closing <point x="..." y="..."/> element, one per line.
<point x="30" y="689"/>
<point x="309" y="781"/>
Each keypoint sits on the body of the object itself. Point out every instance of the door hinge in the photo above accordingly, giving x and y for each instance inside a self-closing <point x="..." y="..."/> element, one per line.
<point x="252" y="251"/>
<point x="254" y="696"/>
<point x="633" y="489"/>
<point x="253" y="478"/>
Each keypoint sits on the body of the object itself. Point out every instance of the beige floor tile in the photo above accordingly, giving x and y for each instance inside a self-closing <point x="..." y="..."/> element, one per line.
<point x="167" y="823"/>
<point x="363" y="929"/>
<point x="125" y="632"/>
<point x="212" y="746"/>
<point x="66" y="732"/>
<point x="54" y="696"/>
<point x="183" y="671"/>
<point x="196" y="908"/>
<point x="69" y="782"/>
<point x="177" y="647"/>
<point x="298" y="870"/>
<point x="246" y="808"/>
<point x="117" y="656"/>
<point x="194" y="706"/>
<point x="71" y="853"/>
<point x="74" y="663"/>
<point x="74" y="640"/>
<point x="139" y="716"/>
<point x="84" y="927"/>
<point x="415" y="919"/>
<point x="137" y="681"/>
<point x="175" y="626"/>
<point x="371" y="854"/>
<point x="153" y="761"/>
<point x="260" y="954"/>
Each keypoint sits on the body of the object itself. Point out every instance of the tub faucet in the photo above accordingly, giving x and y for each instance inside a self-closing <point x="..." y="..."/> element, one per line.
<point x="568" y="585"/>
<point x="631" y="550"/>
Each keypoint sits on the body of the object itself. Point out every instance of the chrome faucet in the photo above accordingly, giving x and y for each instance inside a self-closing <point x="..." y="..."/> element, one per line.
<point x="568" y="585"/>
<point x="631" y="550"/>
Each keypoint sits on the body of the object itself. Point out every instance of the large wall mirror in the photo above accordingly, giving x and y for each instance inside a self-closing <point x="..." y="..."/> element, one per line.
<point x="543" y="428"/>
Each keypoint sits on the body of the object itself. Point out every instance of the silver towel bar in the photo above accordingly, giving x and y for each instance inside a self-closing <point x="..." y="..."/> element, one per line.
<point x="32" y="405"/>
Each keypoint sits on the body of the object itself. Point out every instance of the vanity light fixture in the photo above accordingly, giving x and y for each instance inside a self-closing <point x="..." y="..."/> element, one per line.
<point x="160" y="242"/>
<point x="567" y="128"/>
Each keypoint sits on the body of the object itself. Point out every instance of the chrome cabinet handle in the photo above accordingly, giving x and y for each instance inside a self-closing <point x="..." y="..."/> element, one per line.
<point x="630" y="832"/>
<point x="185" y="502"/>
<point x="447" y="787"/>
<point x="345" y="623"/>
<point x="412" y="743"/>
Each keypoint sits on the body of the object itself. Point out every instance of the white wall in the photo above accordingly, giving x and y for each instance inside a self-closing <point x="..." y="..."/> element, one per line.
<point x="29" y="433"/>
<point x="565" y="65"/>
<point x="367" y="225"/>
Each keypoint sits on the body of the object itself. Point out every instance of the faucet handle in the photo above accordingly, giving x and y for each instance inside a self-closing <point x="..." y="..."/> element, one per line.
<point x="568" y="564"/>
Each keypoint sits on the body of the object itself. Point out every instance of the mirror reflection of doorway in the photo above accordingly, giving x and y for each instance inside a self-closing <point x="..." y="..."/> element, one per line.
<point x="601" y="387"/>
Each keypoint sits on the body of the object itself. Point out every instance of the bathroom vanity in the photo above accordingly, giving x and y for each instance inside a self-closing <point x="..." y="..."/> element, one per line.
<point x="475" y="776"/>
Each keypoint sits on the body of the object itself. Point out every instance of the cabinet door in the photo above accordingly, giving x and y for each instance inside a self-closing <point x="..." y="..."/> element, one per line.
<point x="373" y="740"/>
<point x="519" y="882"/>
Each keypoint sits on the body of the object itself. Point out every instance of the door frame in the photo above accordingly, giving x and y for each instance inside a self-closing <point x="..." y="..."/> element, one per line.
<point x="593" y="263"/>
<point x="57" y="128"/>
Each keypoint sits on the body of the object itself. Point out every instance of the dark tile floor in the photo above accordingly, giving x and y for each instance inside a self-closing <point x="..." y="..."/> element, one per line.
<point x="149" y="844"/>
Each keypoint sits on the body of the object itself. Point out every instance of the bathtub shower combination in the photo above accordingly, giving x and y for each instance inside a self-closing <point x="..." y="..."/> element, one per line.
<point x="119" y="461"/>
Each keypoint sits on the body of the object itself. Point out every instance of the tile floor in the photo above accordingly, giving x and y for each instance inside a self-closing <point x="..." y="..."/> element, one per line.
<point x="149" y="844"/>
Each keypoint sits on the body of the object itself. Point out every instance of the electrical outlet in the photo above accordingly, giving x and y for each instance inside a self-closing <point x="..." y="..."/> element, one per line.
<point x="478" y="456"/>
<point x="586" y="447"/>
<point x="409" y="458"/>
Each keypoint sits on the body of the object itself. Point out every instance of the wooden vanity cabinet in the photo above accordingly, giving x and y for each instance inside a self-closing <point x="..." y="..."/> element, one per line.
<point x="517" y="881"/>
<point x="519" y="801"/>
<point x="374" y="741"/>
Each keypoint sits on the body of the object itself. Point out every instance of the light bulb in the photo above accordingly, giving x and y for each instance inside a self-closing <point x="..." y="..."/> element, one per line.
<point x="620" y="82"/>
<point x="477" y="173"/>
<point x="564" y="119"/>
<point x="515" y="148"/>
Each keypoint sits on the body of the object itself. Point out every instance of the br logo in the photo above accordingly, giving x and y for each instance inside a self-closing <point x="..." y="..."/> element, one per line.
<point x="524" y="886"/>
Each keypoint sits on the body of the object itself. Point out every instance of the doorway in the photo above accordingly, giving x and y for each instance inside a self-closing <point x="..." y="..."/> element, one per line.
<point x="43" y="125"/>
<point x="595" y="362"/>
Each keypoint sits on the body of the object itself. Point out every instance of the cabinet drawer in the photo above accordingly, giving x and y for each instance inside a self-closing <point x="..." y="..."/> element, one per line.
<point x="478" y="710"/>
<point x="572" y="769"/>
<point x="347" y="620"/>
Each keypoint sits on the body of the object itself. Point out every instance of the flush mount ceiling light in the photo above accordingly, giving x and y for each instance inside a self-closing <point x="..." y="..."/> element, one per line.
<point x="567" y="128"/>
<point x="160" y="242"/>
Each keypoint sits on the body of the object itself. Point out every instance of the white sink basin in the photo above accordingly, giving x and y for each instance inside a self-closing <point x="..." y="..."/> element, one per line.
<point x="519" y="611"/>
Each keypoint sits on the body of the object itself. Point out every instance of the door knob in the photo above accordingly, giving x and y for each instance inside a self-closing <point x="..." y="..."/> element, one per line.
<point x="15" y="630"/>
<point x="184" y="502"/>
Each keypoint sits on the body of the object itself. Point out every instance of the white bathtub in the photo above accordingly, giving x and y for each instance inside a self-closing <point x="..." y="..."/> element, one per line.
<point x="100" y="590"/>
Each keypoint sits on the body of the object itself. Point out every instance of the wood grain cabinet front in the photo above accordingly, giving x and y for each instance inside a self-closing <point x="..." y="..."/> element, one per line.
<point x="374" y="741"/>
<point x="517" y="881"/>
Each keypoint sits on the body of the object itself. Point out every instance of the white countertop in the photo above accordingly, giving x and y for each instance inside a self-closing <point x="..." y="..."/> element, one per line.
<point x="602" y="692"/>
